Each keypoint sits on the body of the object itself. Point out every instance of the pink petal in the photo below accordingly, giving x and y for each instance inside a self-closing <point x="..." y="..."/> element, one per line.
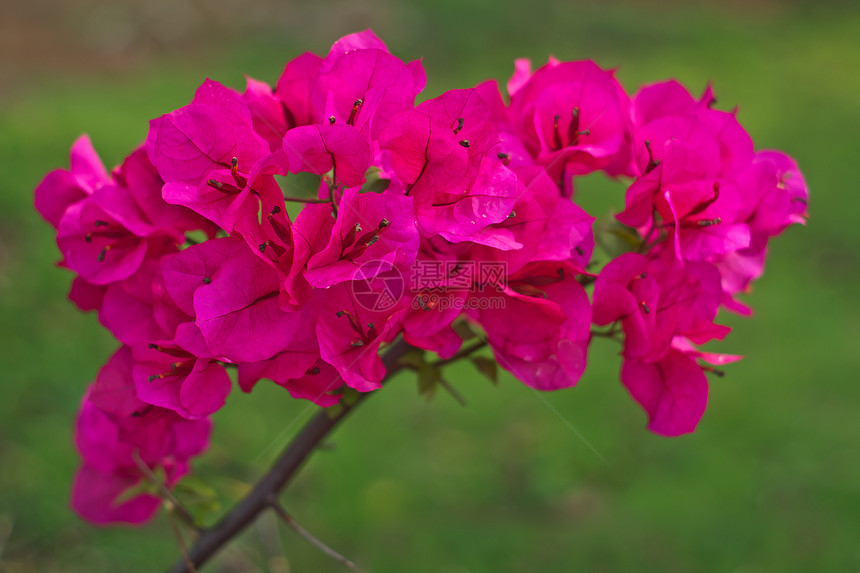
<point x="673" y="392"/>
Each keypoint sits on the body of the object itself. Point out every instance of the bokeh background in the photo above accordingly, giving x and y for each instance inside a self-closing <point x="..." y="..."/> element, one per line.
<point x="515" y="482"/>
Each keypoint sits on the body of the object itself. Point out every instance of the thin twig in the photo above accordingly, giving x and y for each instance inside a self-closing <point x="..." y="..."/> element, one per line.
<point x="288" y="519"/>
<point x="453" y="392"/>
<point x="462" y="354"/>
<point x="279" y="475"/>
<point x="306" y="200"/>
<point x="181" y="542"/>
<point x="165" y="492"/>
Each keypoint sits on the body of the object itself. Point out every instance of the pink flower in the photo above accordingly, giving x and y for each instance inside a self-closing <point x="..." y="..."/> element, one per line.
<point x="782" y="195"/>
<point x="311" y="233"/>
<point x="350" y="335"/>
<point x="212" y="159"/>
<point x="673" y="391"/>
<point x="113" y="390"/>
<point x="114" y="429"/>
<point x="207" y="134"/>
<point x="455" y="212"/>
<point x="437" y="285"/>
<point x="542" y="330"/>
<point x="86" y="296"/>
<point x="543" y="226"/>
<point x="139" y="176"/>
<point x="776" y="198"/>
<point x="233" y="296"/>
<point x="62" y="188"/>
<point x="299" y="368"/>
<point x="689" y="157"/>
<point x="663" y="306"/>
<point x="715" y="358"/>
<point x="373" y="232"/>
<point x="442" y="155"/>
<point x="318" y="383"/>
<point x="438" y="146"/>
<point x="169" y="376"/>
<point x="294" y="89"/>
<point x="108" y="225"/>
<point x="105" y="237"/>
<point x="361" y="84"/>
<point x="666" y="110"/>
<point x="657" y="300"/>
<point x="226" y="196"/>
<point x="139" y="309"/>
<point x="320" y="148"/>
<point x="268" y="112"/>
<point x="510" y="149"/>
<point x="572" y="117"/>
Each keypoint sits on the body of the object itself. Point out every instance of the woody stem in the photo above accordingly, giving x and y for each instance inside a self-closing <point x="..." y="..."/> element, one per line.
<point x="246" y="511"/>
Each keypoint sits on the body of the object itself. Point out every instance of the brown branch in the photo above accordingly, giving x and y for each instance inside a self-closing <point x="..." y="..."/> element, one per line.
<point x="279" y="475"/>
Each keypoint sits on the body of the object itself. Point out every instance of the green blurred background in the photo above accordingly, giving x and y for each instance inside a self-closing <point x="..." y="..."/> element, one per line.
<point x="769" y="482"/>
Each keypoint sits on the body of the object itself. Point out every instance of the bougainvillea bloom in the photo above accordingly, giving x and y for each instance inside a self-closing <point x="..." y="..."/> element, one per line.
<point x="573" y="117"/>
<point x="292" y="232"/>
<point x="117" y="433"/>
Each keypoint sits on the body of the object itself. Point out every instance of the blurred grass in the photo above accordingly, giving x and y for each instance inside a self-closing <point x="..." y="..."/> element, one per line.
<point x="770" y="481"/>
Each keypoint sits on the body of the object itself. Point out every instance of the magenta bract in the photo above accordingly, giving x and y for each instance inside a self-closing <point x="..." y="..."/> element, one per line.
<point x="422" y="221"/>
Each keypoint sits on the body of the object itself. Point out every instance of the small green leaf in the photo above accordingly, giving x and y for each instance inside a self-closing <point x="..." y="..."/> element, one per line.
<point x="144" y="487"/>
<point x="614" y="238"/>
<point x="488" y="367"/>
<point x="428" y="379"/>
<point x="199" y="498"/>
<point x="464" y="330"/>
<point x="194" y="488"/>
<point x="373" y="182"/>
<point x="334" y="410"/>
<point x="195" y="236"/>
<point x="414" y="358"/>
<point x="350" y="396"/>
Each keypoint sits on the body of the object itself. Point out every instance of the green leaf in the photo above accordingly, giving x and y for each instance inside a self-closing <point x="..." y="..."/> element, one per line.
<point x="199" y="498"/>
<point x="373" y="182"/>
<point x="195" y="237"/>
<point x="464" y="330"/>
<point x="488" y="367"/>
<point x="428" y="375"/>
<point x="334" y="410"/>
<point x="142" y="488"/>
<point x="414" y="358"/>
<point x="350" y="396"/>
<point x="614" y="238"/>
<point x="428" y="379"/>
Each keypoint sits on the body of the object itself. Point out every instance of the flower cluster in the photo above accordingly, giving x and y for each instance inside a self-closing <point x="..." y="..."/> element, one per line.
<point x="196" y="260"/>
